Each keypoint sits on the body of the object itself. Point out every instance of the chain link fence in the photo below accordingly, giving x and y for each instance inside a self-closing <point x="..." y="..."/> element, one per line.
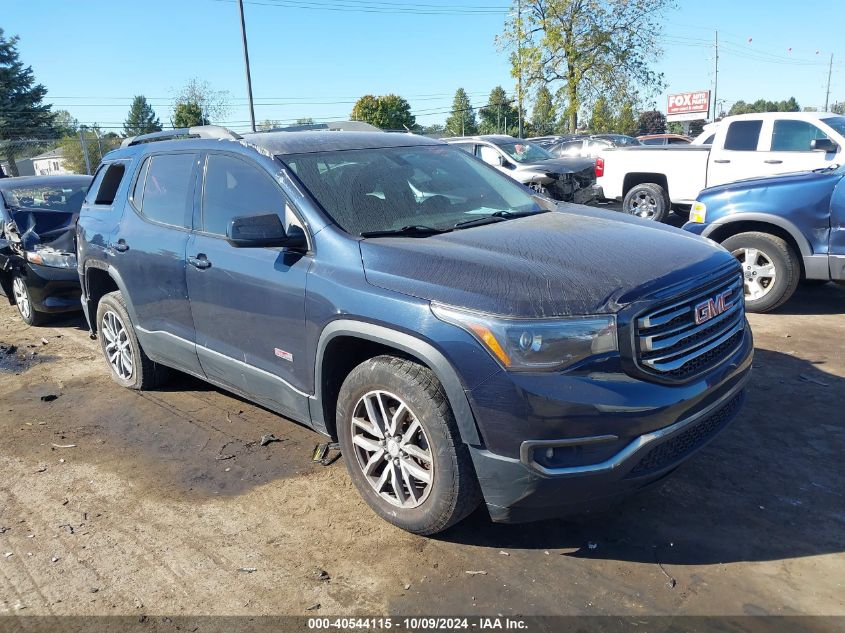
<point x="79" y="154"/>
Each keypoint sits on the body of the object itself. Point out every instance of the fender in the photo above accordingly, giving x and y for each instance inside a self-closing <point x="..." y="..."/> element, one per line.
<point x="413" y="346"/>
<point x="91" y="309"/>
<point x="765" y="218"/>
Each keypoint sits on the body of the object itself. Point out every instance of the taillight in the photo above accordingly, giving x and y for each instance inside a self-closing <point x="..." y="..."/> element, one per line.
<point x="599" y="167"/>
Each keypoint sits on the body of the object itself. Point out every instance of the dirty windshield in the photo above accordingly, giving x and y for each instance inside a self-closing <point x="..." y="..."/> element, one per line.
<point x="431" y="188"/>
<point x="67" y="198"/>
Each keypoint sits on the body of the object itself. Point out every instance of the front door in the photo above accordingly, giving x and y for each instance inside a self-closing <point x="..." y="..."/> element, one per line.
<point x="248" y="304"/>
<point x="736" y="155"/>
<point x="791" y="147"/>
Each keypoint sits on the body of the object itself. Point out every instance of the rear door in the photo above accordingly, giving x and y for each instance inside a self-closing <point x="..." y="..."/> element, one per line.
<point x="790" y="147"/>
<point x="248" y="304"/>
<point x="148" y="251"/>
<point x="737" y="153"/>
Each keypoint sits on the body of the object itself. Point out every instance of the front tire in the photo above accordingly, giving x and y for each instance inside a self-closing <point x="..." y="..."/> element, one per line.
<point x="23" y="301"/>
<point x="128" y="364"/>
<point x="647" y="200"/>
<point x="401" y="446"/>
<point x="770" y="267"/>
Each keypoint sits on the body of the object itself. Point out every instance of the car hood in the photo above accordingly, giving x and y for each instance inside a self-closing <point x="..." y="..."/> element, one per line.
<point x="552" y="264"/>
<point x="559" y="165"/>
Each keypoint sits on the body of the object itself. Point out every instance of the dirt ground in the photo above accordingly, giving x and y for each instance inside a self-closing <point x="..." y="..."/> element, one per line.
<point x="116" y="502"/>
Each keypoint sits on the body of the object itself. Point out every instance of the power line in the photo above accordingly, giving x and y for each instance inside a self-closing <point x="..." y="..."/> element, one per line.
<point x="339" y="6"/>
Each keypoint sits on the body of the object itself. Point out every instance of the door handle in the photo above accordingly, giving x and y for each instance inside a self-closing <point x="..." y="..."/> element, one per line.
<point x="772" y="161"/>
<point x="120" y="246"/>
<point x="200" y="261"/>
<point x="721" y="160"/>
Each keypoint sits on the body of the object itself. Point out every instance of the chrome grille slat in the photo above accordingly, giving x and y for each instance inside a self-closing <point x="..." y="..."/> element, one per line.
<point x="669" y="344"/>
<point x="650" y="344"/>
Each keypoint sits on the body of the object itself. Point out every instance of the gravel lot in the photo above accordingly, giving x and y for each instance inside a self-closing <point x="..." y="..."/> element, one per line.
<point x="116" y="502"/>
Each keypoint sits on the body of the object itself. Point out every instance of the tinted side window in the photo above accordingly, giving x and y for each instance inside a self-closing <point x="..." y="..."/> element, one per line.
<point x="652" y="141"/>
<point x="794" y="136"/>
<point x="742" y="136"/>
<point x="95" y="185"/>
<point x="110" y="183"/>
<point x="234" y="188"/>
<point x="138" y="189"/>
<point x="168" y="189"/>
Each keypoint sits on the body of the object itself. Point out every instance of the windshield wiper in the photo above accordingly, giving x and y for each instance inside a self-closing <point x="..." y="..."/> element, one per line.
<point x="410" y="231"/>
<point x="498" y="216"/>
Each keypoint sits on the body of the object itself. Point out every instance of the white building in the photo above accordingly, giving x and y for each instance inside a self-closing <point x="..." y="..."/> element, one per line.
<point x="50" y="163"/>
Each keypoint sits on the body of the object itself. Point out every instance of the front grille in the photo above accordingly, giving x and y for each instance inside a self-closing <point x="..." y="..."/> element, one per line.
<point x="684" y="443"/>
<point x="668" y="343"/>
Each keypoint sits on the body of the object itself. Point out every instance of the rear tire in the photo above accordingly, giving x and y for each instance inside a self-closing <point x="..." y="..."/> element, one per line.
<point x="647" y="200"/>
<point x="406" y="459"/>
<point x="771" y="269"/>
<point x="23" y="301"/>
<point x="128" y="364"/>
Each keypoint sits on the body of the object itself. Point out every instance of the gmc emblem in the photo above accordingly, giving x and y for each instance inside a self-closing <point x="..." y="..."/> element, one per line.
<point x="706" y="310"/>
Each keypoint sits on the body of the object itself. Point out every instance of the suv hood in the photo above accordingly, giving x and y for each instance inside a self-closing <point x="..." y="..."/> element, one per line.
<point x="552" y="264"/>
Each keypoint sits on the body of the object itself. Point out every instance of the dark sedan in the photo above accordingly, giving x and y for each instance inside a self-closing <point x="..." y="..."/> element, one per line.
<point x="37" y="249"/>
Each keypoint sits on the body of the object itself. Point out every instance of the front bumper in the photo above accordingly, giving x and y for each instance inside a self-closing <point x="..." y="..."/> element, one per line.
<point x="582" y="447"/>
<point x="52" y="289"/>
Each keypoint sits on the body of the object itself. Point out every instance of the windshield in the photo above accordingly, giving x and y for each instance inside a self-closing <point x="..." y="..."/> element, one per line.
<point x="386" y="189"/>
<point x="837" y="123"/>
<point x="67" y="198"/>
<point x="524" y="152"/>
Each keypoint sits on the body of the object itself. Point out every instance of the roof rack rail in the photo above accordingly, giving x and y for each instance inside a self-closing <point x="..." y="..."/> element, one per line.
<point x="199" y="131"/>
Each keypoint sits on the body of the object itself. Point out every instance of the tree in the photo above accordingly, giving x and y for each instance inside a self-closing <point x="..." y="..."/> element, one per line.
<point x="388" y="112"/>
<point x="651" y="122"/>
<point x="98" y="145"/>
<point x="65" y="123"/>
<point x="461" y="121"/>
<point x="499" y="116"/>
<point x="436" y="130"/>
<point x="625" y="122"/>
<point x="761" y="105"/>
<point x="23" y="113"/>
<point x="675" y="127"/>
<point x="213" y="104"/>
<point x="188" y="114"/>
<point x="589" y="47"/>
<point x="267" y="124"/>
<point x="601" y="120"/>
<point x="544" y="116"/>
<point x="141" y="119"/>
<point x="838" y="107"/>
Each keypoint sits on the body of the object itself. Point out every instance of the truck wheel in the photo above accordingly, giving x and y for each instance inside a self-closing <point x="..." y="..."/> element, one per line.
<point x="770" y="269"/>
<point x="129" y="365"/>
<point x="23" y="301"/>
<point x="647" y="200"/>
<point x="401" y="445"/>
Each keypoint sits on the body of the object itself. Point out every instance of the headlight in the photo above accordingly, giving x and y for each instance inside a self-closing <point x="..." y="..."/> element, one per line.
<point x="54" y="259"/>
<point x="536" y="344"/>
<point x="698" y="213"/>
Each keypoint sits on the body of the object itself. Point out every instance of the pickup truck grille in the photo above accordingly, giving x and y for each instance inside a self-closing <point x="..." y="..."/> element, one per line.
<point x="693" y="334"/>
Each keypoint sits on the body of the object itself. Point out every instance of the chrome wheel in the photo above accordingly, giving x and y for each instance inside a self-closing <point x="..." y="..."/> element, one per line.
<point x="392" y="449"/>
<point x="644" y="205"/>
<point x="759" y="273"/>
<point x="22" y="298"/>
<point x="117" y="345"/>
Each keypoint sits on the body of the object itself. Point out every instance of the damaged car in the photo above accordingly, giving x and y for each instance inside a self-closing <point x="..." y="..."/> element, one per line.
<point x="570" y="179"/>
<point x="37" y="243"/>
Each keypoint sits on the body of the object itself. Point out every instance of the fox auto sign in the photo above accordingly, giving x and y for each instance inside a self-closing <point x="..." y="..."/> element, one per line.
<point x="688" y="104"/>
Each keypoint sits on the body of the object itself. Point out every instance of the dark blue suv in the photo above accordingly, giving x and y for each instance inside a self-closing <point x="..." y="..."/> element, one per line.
<point x="461" y="337"/>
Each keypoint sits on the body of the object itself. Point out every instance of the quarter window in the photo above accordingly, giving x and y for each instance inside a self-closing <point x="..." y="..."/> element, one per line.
<point x="234" y="188"/>
<point x="489" y="155"/>
<point x="168" y="189"/>
<point x="743" y="136"/>
<point x="794" y="136"/>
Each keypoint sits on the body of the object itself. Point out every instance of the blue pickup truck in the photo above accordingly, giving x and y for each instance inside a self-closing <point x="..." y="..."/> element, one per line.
<point x="782" y="229"/>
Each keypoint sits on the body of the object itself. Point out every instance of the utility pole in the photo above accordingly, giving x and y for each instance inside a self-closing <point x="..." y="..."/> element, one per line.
<point x="716" y="77"/>
<point x="519" y="64"/>
<point x="246" y="63"/>
<point x="827" y="94"/>
<point x="84" y="144"/>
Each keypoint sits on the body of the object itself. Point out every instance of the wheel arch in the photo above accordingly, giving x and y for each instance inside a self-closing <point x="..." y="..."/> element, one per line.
<point x="640" y="178"/>
<point x="356" y="341"/>
<point x="98" y="282"/>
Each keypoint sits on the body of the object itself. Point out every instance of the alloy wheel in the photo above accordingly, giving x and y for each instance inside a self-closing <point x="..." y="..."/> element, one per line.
<point x="392" y="449"/>
<point x="118" y="347"/>
<point x="22" y="298"/>
<point x="759" y="273"/>
<point x="644" y="205"/>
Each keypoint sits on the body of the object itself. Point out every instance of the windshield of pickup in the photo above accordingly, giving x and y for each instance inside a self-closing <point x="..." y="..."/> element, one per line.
<point x="67" y="198"/>
<point x="524" y="152"/>
<point x="386" y="189"/>
<point x="837" y="123"/>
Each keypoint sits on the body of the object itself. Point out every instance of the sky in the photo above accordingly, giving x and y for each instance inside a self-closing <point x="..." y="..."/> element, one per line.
<point x="311" y="58"/>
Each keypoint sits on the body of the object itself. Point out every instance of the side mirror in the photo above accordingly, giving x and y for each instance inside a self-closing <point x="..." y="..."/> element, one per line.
<point x="504" y="162"/>
<point x="824" y="144"/>
<point x="253" y="231"/>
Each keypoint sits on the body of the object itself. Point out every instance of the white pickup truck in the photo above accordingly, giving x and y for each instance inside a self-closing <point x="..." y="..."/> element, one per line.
<point x="652" y="180"/>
